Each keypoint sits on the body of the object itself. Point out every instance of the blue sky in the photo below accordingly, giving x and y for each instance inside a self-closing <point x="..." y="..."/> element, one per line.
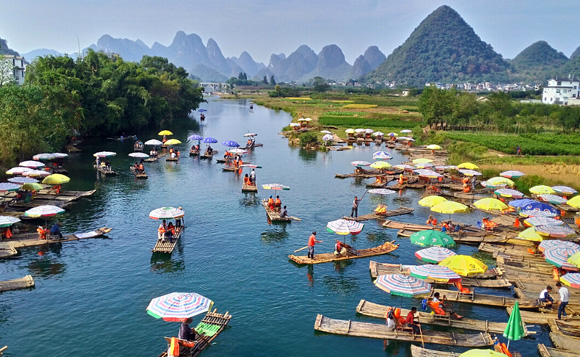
<point x="263" y="27"/>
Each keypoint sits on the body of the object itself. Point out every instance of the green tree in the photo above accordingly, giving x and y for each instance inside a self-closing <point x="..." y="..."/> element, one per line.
<point x="436" y="105"/>
<point x="320" y="85"/>
<point x="272" y="80"/>
<point x="265" y="80"/>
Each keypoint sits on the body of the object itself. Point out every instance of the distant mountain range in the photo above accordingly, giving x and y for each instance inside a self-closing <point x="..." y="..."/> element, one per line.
<point x="443" y="48"/>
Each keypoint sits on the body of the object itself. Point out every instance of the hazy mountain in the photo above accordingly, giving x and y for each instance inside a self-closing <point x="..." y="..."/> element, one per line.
<point x="207" y="74"/>
<point x="247" y="64"/>
<point x="41" y="52"/>
<point x="216" y="58"/>
<point x="576" y="53"/>
<point x="374" y="57"/>
<point x="128" y="49"/>
<point x="442" y="48"/>
<point x="5" y="50"/>
<point x="331" y="65"/>
<point x="360" y="68"/>
<point x="537" y="62"/>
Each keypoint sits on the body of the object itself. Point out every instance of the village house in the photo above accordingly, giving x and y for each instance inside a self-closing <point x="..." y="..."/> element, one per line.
<point x="562" y="91"/>
<point x="18" y="65"/>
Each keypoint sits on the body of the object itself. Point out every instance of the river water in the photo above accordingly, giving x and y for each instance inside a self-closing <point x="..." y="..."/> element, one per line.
<point x="90" y="296"/>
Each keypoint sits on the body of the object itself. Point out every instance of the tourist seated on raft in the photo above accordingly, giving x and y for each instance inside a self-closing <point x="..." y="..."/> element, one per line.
<point x="360" y="170"/>
<point x="431" y="220"/>
<point x="170" y="233"/>
<point x="55" y="231"/>
<point x="340" y="249"/>
<point x="19" y="197"/>
<point x="488" y="225"/>
<point x="283" y="212"/>
<point x="42" y="232"/>
<point x="277" y="203"/>
<point x="186" y="332"/>
<point x="443" y="305"/>
<point x="271" y="203"/>
<point x="177" y="153"/>
<point x="393" y="317"/>
<point x="162" y="230"/>
<point x="545" y="297"/>
<point x="410" y="321"/>
<point x="246" y="179"/>
<point x="381" y="209"/>
<point x="6" y="233"/>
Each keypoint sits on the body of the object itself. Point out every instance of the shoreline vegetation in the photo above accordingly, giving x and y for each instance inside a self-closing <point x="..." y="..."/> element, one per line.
<point x="482" y="130"/>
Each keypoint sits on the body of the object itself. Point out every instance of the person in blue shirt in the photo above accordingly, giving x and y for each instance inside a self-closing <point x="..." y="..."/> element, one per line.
<point x="55" y="230"/>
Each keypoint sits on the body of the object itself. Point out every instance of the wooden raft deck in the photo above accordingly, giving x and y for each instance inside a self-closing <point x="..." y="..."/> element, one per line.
<point x="16" y="284"/>
<point x="408" y="226"/>
<point x="390" y="213"/>
<point x="488" y="300"/>
<point x="211" y="318"/>
<point x="167" y="245"/>
<point x="368" y="308"/>
<point x="565" y="342"/>
<point x="542" y="318"/>
<point x="380" y="331"/>
<point x="139" y="175"/>
<point x="249" y="188"/>
<point x="385" y="248"/>
<point x="7" y="251"/>
<point x="106" y="172"/>
<point x="417" y="351"/>
<point x="31" y="239"/>
<point x="477" y="238"/>
<point x="554" y="352"/>
<point x="273" y="215"/>
<point x="377" y="269"/>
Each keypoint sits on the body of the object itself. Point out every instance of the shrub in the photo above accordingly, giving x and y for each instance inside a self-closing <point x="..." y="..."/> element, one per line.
<point x="307" y="138"/>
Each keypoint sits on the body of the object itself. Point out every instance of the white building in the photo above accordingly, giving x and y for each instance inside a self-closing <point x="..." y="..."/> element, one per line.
<point x="561" y="91"/>
<point x="18" y="66"/>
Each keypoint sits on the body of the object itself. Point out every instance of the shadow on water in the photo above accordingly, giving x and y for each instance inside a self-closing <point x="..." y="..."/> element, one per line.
<point x="249" y="199"/>
<point x="46" y="267"/>
<point x="378" y="237"/>
<point x="274" y="235"/>
<point x="166" y="263"/>
<point x="341" y="285"/>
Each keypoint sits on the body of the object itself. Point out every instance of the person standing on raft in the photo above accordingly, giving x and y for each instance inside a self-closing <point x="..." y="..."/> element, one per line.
<point x="354" y="211"/>
<point x="311" y="242"/>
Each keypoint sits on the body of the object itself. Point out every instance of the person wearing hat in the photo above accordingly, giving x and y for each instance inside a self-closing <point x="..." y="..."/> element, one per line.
<point x="55" y="230"/>
<point x="311" y="242"/>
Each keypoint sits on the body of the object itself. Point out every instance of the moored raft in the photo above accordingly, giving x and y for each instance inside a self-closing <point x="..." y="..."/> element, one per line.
<point x="384" y="248"/>
<point x="569" y="328"/>
<point x="565" y="342"/>
<point x="105" y="171"/>
<point x="193" y="152"/>
<point x="16" y="284"/>
<point x="174" y="159"/>
<point x="273" y="215"/>
<point x="554" y="352"/>
<point x="407" y="226"/>
<point x="32" y="240"/>
<point x="208" y="155"/>
<point x="540" y="318"/>
<point x="417" y="351"/>
<point x="368" y="308"/>
<point x="380" y="331"/>
<point x="210" y="327"/>
<point x="488" y="300"/>
<point x="389" y="213"/>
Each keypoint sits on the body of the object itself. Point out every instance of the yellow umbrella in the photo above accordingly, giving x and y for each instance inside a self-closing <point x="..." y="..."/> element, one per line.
<point x="431" y="201"/>
<point x="422" y="161"/>
<point x="55" y="179"/>
<point x="464" y="265"/>
<point x="531" y="234"/>
<point x="165" y="132"/>
<point x="482" y="353"/>
<point x="574" y="202"/>
<point x="498" y="180"/>
<point x="380" y="165"/>
<point x="542" y="190"/>
<point x="490" y="204"/>
<point x="449" y="207"/>
<point x="32" y="186"/>
<point x="468" y="165"/>
<point x="434" y="147"/>
<point x="574" y="259"/>
<point x="349" y="131"/>
<point x="172" y="142"/>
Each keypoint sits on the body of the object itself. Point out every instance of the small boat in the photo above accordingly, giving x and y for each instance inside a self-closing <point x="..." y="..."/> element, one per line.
<point x="554" y="352"/>
<point x="138" y="146"/>
<point x="254" y="145"/>
<point x="150" y="159"/>
<point x="16" y="284"/>
<point x="273" y="215"/>
<point x="105" y="170"/>
<point x="174" y="159"/>
<point x="208" y="155"/>
<point x="380" y="331"/>
<point x="138" y="174"/>
<point x="167" y="245"/>
<point x="384" y="248"/>
<point x="210" y="327"/>
<point x="193" y="152"/>
<point x="249" y="188"/>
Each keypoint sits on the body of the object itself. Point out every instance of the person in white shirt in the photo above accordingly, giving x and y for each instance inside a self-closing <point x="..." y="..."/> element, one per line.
<point x="545" y="297"/>
<point x="564" y="298"/>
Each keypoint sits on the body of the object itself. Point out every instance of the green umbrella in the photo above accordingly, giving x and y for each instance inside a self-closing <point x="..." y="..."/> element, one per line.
<point x="515" y="328"/>
<point x="432" y="238"/>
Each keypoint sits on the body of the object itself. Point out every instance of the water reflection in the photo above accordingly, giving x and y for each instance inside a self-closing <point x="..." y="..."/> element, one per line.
<point x="340" y="265"/>
<point x="274" y="235"/>
<point x="307" y="155"/>
<point x="310" y="275"/>
<point x="341" y="285"/>
<point x="166" y="263"/>
<point x="249" y="199"/>
<point x="46" y="267"/>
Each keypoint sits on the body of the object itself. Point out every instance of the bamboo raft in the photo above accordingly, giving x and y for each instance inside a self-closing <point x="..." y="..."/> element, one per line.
<point x="554" y="352"/>
<point x="104" y="171"/>
<point x="417" y="351"/>
<point x="7" y="251"/>
<point x="16" y="284"/>
<point x="407" y="226"/>
<point x="390" y="213"/>
<point x="167" y="245"/>
<point x="150" y="159"/>
<point x="380" y="331"/>
<point x="174" y="159"/>
<point x="273" y="215"/>
<point x="385" y="248"/>
<point x="543" y="317"/>
<point x="211" y="318"/>
<point x="511" y="249"/>
<point x="193" y="152"/>
<point x="569" y="328"/>
<point x="256" y="145"/>
<point x="31" y="239"/>
<point x="368" y="308"/>
<point x="139" y="175"/>
<point x="369" y="174"/>
<point x="477" y="238"/>
<point x="207" y="155"/>
<point x="230" y="168"/>
<point x="565" y="342"/>
<point x="377" y="269"/>
<point x="249" y="188"/>
<point x="488" y="300"/>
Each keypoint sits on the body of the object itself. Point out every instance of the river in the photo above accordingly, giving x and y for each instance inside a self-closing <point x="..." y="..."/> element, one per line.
<point x="91" y="296"/>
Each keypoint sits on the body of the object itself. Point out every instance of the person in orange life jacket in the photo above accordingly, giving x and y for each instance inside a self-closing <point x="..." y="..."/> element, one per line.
<point x="41" y="232"/>
<point x="271" y="203"/>
<point x="432" y="220"/>
<point x="177" y="153"/>
<point x="170" y="230"/>
<point x="443" y="304"/>
<point x="277" y="203"/>
<point x="7" y="233"/>
<point x="246" y="179"/>
<point x="161" y="230"/>
<point x="311" y="242"/>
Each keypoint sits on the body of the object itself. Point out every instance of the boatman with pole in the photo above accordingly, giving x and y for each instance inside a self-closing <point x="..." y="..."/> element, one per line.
<point x="354" y="211"/>
<point x="311" y="242"/>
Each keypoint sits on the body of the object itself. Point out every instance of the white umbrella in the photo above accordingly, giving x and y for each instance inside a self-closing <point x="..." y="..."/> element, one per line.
<point x="22" y="180"/>
<point x="139" y="155"/>
<point x="31" y="164"/>
<point x="406" y="131"/>
<point x="381" y="191"/>
<point x="153" y="142"/>
<point x="59" y="155"/>
<point x="250" y="135"/>
<point x="43" y="156"/>
<point x="18" y="170"/>
<point x="327" y="137"/>
<point x="104" y="154"/>
<point x="369" y="131"/>
<point x="325" y="132"/>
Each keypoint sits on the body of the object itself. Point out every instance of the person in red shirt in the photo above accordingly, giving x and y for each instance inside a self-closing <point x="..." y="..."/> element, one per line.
<point x="410" y="320"/>
<point x="311" y="242"/>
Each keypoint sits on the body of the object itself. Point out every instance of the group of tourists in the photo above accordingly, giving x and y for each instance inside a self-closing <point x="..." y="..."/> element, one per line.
<point x="153" y="153"/>
<point x="167" y="231"/>
<point x="139" y="167"/>
<point x="174" y="153"/>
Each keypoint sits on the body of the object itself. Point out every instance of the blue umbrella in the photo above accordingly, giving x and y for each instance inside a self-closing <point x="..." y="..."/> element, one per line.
<point x="231" y="144"/>
<point x="521" y="202"/>
<point x="194" y="137"/>
<point x="540" y="206"/>
<point x="209" y="140"/>
<point x="202" y="110"/>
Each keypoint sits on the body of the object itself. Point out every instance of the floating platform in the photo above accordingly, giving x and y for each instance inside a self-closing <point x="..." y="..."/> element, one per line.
<point x="417" y="351"/>
<point x="477" y="238"/>
<point x="273" y="215"/>
<point x="385" y="248"/>
<point x="249" y="188"/>
<point x="407" y="226"/>
<point x="7" y="251"/>
<point x="17" y="284"/>
<point x="172" y="159"/>
<point x="368" y="308"/>
<point x="167" y="245"/>
<point x="565" y="342"/>
<point x="31" y="239"/>
<point x="487" y="300"/>
<point x="193" y="152"/>
<point x="139" y="175"/>
<point x="380" y="331"/>
<point x="545" y="351"/>
<point x="390" y="213"/>
<point x="151" y="159"/>
<point x="104" y="171"/>
<point x="541" y="318"/>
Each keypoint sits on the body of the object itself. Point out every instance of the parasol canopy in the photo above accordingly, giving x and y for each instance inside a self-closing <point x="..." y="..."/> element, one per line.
<point x="22" y="180"/>
<point x="43" y="156"/>
<point x="537" y="213"/>
<point x="482" y="353"/>
<point x="139" y="155"/>
<point x="406" y="131"/>
<point x="275" y="186"/>
<point x="464" y="265"/>
<point x="55" y="179"/>
<point x="559" y="257"/>
<point x="574" y="201"/>
<point x="575" y="259"/>
<point x="500" y="181"/>
<point x="530" y="234"/>
<point x="360" y="163"/>
<point x="172" y="142"/>
<point x="490" y="204"/>
<point x="178" y="307"/>
<point x="210" y="140"/>
<point x="571" y="279"/>
<point x="431" y="201"/>
<point x="59" y="155"/>
<point x="31" y="164"/>
<point x="428" y="173"/>
<point x="380" y="165"/>
<point x="344" y="227"/>
<point x="432" y="238"/>
<point x="349" y="131"/>
<point x="515" y="327"/>
<point x="36" y="173"/>
<point x="542" y="189"/>
<point x="512" y="174"/>
<point x="104" y="154"/>
<point x="195" y="137"/>
<point x="467" y="172"/>
<point x="382" y="155"/>
<point x="508" y="192"/>
<point x="32" y="187"/>
<point x="402" y="285"/>
<point x="154" y="142"/>
<point x="43" y="211"/>
<point x="167" y="213"/>
<point x="381" y="191"/>
<point x="468" y="165"/>
<point x="555" y="231"/>
<point x="248" y="135"/>
<point x="7" y="221"/>
<point x="165" y="132"/>
<point x="553" y="199"/>
<point x="231" y="144"/>
<point x="404" y="167"/>
<point x="556" y="243"/>
<point x="542" y="221"/>
<point x="8" y="187"/>
<point x="422" y="161"/>
<point x="434" y="147"/>
<point x="436" y="272"/>
<point x="237" y="151"/>
<point x="434" y="254"/>
<point x="327" y="137"/>
<point x="19" y="170"/>
<point x="564" y="190"/>
<point x="449" y="207"/>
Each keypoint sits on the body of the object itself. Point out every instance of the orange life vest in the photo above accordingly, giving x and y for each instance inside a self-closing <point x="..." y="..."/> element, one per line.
<point x="42" y="232"/>
<point x="173" y="348"/>
<point x="161" y="229"/>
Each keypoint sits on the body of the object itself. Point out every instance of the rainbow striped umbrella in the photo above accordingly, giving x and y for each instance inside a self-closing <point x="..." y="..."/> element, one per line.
<point x="19" y="170"/>
<point x="43" y="211"/>
<point x="436" y="272"/>
<point x="43" y="156"/>
<point x="381" y="155"/>
<point x="508" y="192"/>
<point x="537" y="213"/>
<point x="434" y="254"/>
<point x="467" y="172"/>
<point x="402" y="285"/>
<point x="571" y="279"/>
<point x="428" y="173"/>
<point x="36" y="173"/>
<point x="31" y="164"/>
<point x="564" y="190"/>
<point x="360" y="163"/>
<point x="178" y="307"/>
<point x="344" y="227"/>
<point x="556" y="243"/>
<point x="554" y="199"/>
<point x="559" y="257"/>
<point x="167" y="213"/>
<point x="542" y="221"/>
<point x="22" y="180"/>
<point x="512" y="174"/>
<point x="555" y="231"/>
